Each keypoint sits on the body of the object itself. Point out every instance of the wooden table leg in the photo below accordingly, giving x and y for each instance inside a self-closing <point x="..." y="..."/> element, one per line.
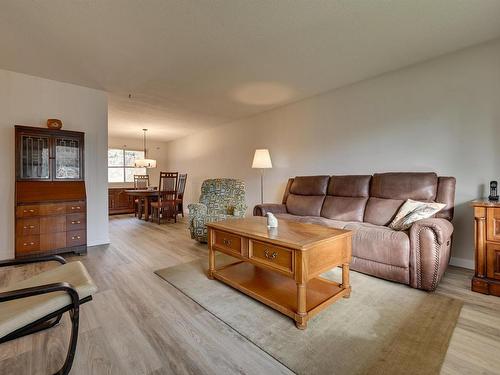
<point x="301" y="316"/>
<point x="146" y="208"/>
<point x="211" y="257"/>
<point x="345" y="279"/>
<point x="139" y="208"/>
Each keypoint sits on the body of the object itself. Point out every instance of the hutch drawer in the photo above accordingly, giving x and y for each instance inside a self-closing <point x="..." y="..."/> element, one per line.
<point x="27" y="244"/>
<point x="75" y="207"/>
<point x="41" y="209"/>
<point x="75" y="222"/>
<point x="76" y="238"/>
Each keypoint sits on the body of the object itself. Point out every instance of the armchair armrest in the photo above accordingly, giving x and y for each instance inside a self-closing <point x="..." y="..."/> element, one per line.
<point x="42" y="289"/>
<point x="48" y="258"/>
<point x="240" y="210"/>
<point x="263" y="209"/>
<point x="197" y="209"/>
<point x="430" y="243"/>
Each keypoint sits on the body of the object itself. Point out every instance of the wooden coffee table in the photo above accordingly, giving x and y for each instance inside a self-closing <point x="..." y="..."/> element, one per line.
<point x="281" y="267"/>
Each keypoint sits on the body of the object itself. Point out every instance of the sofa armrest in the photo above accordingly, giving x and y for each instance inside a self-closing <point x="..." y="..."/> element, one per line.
<point x="263" y="209"/>
<point x="430" y="243"/>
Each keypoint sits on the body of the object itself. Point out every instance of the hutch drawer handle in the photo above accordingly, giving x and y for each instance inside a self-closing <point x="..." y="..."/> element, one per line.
<point x="75" y="207"/>
<point x="28" y="243"/>
<point x="30" y="210"/>
<point x="29" y="227"/>
<point x="76" y="222"/>
<point x="269" y="255"/>
<point x="226" y="242"/>
<point x="75" y="237"/>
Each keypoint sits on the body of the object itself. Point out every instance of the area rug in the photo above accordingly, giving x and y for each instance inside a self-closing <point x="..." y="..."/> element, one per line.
<point x="383" y="328"/>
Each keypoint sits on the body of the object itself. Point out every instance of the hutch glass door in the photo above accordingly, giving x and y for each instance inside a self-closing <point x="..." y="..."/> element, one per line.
<point x="67" y="159"/>
<point x="34" y="157"/>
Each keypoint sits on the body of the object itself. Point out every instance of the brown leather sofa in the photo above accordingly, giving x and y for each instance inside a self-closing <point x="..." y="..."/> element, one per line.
<point x="367" y="204"/>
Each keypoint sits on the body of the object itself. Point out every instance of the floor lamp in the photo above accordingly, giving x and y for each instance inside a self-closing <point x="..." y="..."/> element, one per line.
<point x="262" y="160"/>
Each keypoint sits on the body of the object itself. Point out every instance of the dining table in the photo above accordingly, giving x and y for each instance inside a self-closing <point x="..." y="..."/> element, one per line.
<point x="144" y="196"/>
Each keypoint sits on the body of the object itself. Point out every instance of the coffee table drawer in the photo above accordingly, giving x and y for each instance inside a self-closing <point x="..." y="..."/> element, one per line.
<point x="274" y="256"/>
<point x="227" y="241"/>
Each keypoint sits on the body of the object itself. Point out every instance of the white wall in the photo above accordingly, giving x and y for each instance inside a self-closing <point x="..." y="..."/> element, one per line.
<point x="442" y="116"/>
<point x="28" y="100"/>
<point x="156" y="150"/>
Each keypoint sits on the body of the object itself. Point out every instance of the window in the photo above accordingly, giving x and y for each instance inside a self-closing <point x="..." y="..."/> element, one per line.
<point x="121" y="165"/>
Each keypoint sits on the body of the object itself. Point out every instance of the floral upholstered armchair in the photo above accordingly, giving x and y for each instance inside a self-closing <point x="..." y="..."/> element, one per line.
<point x="221" y="199"/>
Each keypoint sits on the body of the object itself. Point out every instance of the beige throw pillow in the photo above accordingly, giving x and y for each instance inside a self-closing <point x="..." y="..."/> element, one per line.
<point x="412" y="211"/>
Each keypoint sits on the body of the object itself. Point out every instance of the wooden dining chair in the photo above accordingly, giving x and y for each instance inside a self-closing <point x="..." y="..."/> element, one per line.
<point x="181" y="186"/>
<point x="141" y="181"/>
<point x="167" y="197"/>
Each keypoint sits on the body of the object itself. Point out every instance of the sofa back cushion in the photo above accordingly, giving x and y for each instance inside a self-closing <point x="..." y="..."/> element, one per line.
<point x="307" y="194"/>
<point x="346" y="198"/>
<point x="389" y="191"/>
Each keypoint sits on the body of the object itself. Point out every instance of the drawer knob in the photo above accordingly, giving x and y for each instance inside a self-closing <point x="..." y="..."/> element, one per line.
<point x="226" y="242"/>
<point x="75" y="222"/>
<point x="29" y="227"/>
<point x="75" y="237"/>
<point x="28" y="243"/>
<point x="30" y="210"/>
<point x="270" y="255"/>
<point x="75" y="207"/>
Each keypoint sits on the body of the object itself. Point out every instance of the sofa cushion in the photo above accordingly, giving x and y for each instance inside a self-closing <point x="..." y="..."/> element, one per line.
<point x="344" y="208"/>
<point x="381" y="211"/>
<point x="416" y="186"/>
<point x="346" y="198"/>
<point x="380" y="244"/>
<point x="304" y="205"/>
<point x="314" y="220"/>
<point x="309" y="185"/>
<point x="388" y="192"/>
<point x="349" y="186"/>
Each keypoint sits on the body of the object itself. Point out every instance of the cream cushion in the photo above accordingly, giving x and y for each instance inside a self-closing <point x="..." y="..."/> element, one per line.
<point x="412" y="211"/>
<point x="19" y="313"/>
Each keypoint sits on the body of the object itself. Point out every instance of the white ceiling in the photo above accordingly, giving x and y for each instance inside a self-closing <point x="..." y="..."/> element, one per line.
<point x="192" y="64"/>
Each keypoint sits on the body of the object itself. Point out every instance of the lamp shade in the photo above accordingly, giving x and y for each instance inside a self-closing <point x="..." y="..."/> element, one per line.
<point x="145" y="163"/>
<point x="262" y="159"/>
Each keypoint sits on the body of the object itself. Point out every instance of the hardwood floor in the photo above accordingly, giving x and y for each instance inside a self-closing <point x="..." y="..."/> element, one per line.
<point x="139" y="324"/>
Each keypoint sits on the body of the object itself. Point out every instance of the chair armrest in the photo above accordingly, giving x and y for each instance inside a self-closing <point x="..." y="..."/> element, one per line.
<point x="430" y="244"/>
<point x="197" y="209"/>
<point x="263" y="209"/>
<point x="48" y="258"/>
<point x="42" y="289"/>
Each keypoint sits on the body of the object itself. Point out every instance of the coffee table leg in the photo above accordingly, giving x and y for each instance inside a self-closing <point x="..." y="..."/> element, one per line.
<point x="345" y="279"/>
<point x="301" y="316"/>
<point x="211" y="257"/>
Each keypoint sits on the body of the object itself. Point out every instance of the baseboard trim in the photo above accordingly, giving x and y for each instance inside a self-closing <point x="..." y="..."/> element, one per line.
<point x="102" y="241"/>
<point x="461" y="262"/>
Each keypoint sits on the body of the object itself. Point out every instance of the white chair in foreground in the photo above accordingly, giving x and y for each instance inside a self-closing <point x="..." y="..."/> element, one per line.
<point x="39" y="302"/>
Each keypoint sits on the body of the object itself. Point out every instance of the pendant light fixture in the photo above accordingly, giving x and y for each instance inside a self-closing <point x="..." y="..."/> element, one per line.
<point x="145" y="163"/>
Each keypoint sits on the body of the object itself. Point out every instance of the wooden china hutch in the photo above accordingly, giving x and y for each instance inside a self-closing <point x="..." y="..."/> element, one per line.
<point x="50" y="197"/>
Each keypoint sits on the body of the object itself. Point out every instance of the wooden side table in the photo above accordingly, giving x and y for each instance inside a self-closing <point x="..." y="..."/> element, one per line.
<point x="487" y="247"/>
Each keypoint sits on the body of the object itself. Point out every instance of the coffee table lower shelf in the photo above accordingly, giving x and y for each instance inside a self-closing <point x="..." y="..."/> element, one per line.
<point x="279" y="291"/>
